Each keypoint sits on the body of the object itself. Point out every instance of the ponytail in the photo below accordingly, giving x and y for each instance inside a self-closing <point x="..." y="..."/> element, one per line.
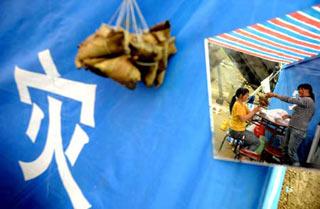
<point x="233" y="100"/>
<point x="240" y="92"/>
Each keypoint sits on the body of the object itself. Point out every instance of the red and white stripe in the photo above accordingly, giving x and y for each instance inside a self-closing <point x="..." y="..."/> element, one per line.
<point x="280" y="40"/>
<point x="295" y="29"/>
<point x="260" y="48"/>
<point x="317" y="8"/>
<point x="284" y="37"/>
<point x="275" y="44"/>
<point x="229" y="46"/>
<point x="305" y="19"/>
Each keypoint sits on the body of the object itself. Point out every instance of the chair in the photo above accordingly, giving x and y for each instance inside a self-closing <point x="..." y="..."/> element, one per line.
<point x="243" y="151"/>
<point x="224" y="139"/>
<point x="238" y="144"/>
<point x="235" y="142"/>
<point x="273" y="154"/>
<point x="250" y="154"/>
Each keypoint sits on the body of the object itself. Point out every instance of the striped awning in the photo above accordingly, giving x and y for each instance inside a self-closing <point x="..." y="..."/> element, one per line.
<point x="289" y="39"/>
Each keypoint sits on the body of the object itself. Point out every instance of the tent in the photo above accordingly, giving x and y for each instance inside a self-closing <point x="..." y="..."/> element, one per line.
<point x="288" y="39"/>
<point x="69" y="138"/>
<point x="292" y="40"/>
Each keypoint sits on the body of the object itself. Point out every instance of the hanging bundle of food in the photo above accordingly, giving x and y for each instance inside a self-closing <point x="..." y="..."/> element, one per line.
<point x="263" y="101"/>
<point x="127" y="50"/>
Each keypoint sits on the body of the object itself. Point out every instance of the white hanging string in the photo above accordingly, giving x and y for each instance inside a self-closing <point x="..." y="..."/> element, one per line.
<point x="115" y="15"/>
<point x="272" y="76"/>
<point x="143" y="21"/>
<point x="125" y="16"/>
<point x="121" y="14"/>
<point x="134" y="20"/>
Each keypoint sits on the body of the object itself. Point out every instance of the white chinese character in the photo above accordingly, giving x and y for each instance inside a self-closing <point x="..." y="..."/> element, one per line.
<point x="81" y="92"/>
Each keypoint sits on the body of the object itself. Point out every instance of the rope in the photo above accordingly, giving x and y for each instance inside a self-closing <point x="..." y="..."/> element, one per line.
<point x="147" y="64"/>
<point x="121" y="14"/>
<point x="270" y="79"/>
<point x="143" y="21"/>
<point x="129" y="15"/>
<point x="112" y="19"/>
<point x="134" y="21"/>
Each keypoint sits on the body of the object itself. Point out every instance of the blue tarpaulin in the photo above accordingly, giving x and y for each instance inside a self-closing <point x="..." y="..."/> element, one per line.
<point x="69" y="138"/>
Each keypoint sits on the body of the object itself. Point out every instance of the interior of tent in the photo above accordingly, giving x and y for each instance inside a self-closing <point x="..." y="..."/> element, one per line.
<point x="283" y="53"/>
<point x="255" y="72"/>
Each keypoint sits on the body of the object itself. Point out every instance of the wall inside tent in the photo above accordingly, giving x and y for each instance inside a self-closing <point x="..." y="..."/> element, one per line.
<point x="145" y="149"/>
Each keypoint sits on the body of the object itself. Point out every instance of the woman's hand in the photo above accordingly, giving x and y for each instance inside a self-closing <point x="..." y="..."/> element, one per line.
<point x="285" y="117"/>
<point x="248" y="116"/>
<point x="269" y="95"/>
<point x="256" y="109"/>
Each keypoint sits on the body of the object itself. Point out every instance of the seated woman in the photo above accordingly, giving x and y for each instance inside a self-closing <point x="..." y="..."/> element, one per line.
<point x="240" y="114"/>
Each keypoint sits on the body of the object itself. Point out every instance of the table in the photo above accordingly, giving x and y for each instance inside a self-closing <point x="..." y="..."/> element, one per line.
<point x="276" y="129"/>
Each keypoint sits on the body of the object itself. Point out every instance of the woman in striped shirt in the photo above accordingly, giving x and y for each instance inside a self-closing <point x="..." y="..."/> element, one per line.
<point x="299" y="120"/>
